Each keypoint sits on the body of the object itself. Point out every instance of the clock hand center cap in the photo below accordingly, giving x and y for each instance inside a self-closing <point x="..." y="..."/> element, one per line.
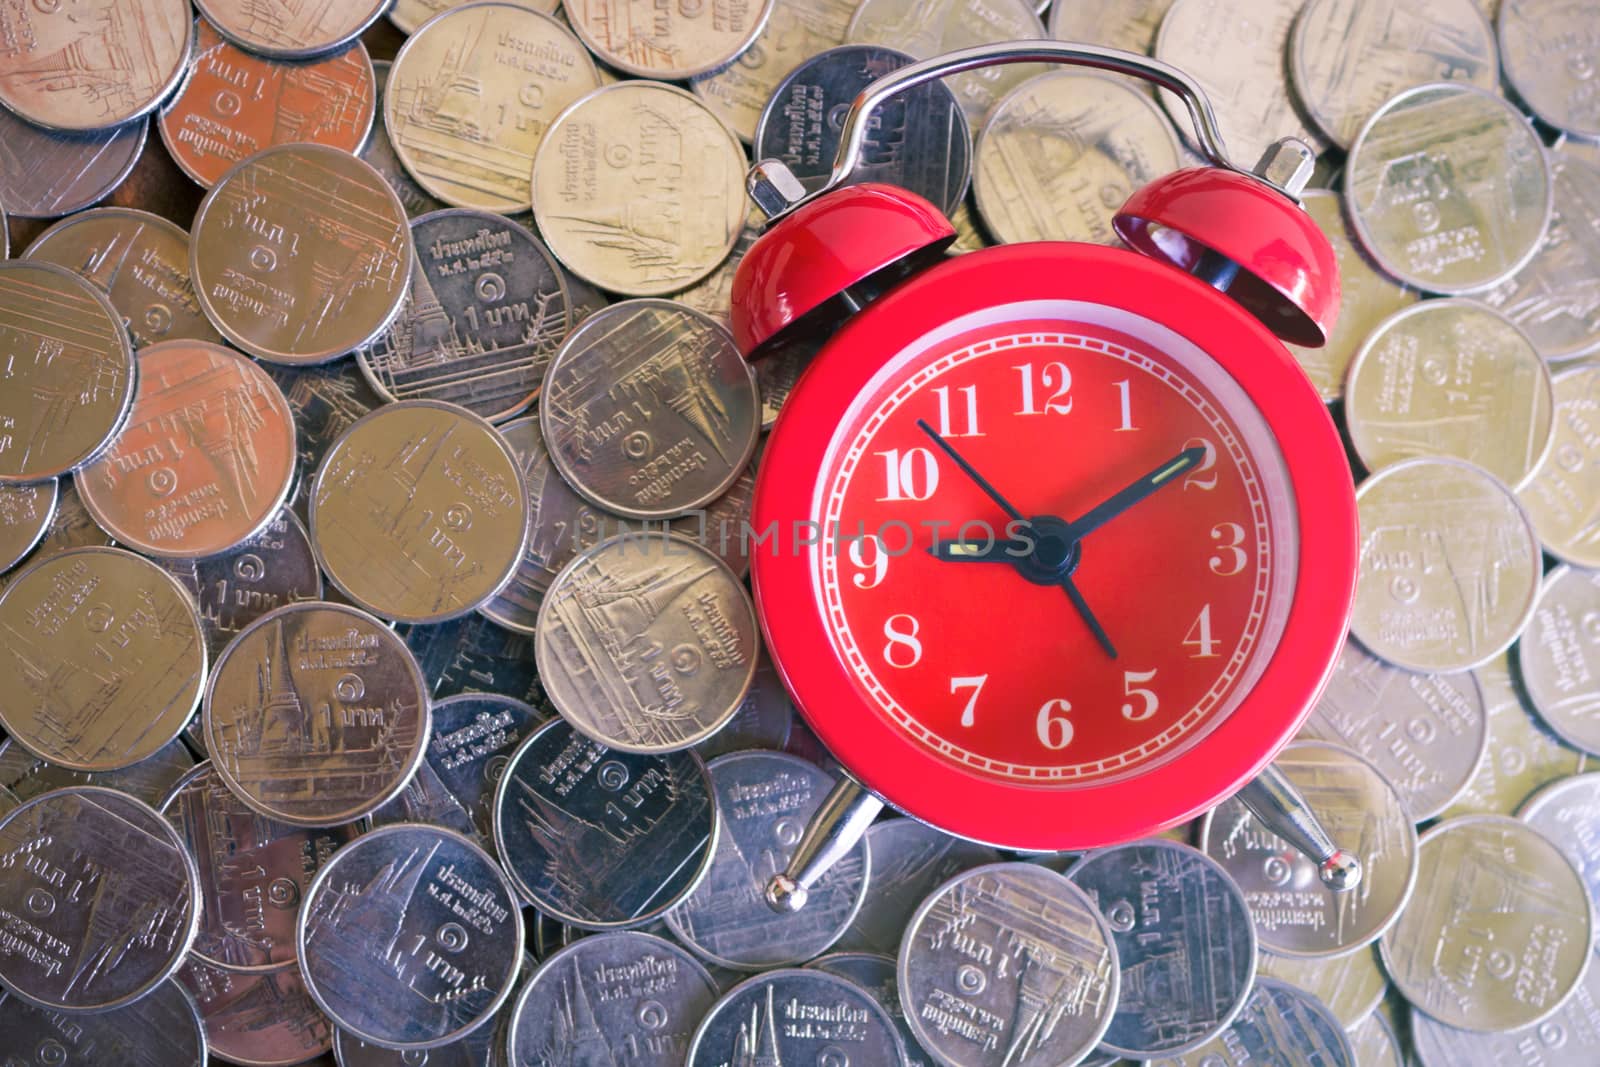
<point x="1056" y="552"/>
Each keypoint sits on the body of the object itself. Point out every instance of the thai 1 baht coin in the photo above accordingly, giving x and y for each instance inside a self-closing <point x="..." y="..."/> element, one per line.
<point x="473" y="655"/>
<point x="670" y="42"/>
<point x="162" y="1027"/>
<point x="1280" y="1025"/>
<point x="409" y="15"/>
<point x="69" y="527"/>
<point x="1351" y="987"/>
<point x="875" y="974"/>
<point x="44" y="173"/>
<point x="326" y="401"/>
<point x="796" y="1017"/>
<point x="1548" y="53"/>
<point x="379" y="151"/>
<point x="1568" y="813"/>
<point x="24" y="776"/>
<point x="285" y="29"/>
<point x="910" y="859"/>
<point x="1570" y="1036"/>
<point x="25" y="514"/>
<point x="260" y="1019"/>
<point x="1559" y="655"/>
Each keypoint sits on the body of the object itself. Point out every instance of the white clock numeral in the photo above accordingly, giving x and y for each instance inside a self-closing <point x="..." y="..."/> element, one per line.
<point x="1054" y="729"/>
<point x="973" y="682"/>
<point x="1199" y="636"/>
<point x="1202" y="477"/>
<point x="971" y="394"/>
<point x="909" y="475"/>
<point x="901" y="648"/>
<point x="1124" y="387"/>
<point x="1146" y="697"/>
<point x="1058" y="403"/>
<point x="868" y="554"/>
<point x="1231" y="537"/>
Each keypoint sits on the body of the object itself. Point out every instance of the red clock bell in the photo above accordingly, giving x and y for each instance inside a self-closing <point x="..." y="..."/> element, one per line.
<point x="1080" y="537"/>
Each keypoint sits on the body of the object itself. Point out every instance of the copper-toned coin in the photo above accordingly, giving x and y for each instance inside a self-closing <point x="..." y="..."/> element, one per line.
<point x="92" y="64"/>
<point x="316" y="714"/>
<point x="68" y="371"/>
<point x="205" y="459"/>
<point x="300" y="254"/>
<point x="44" y="174"/>
<point x="140" y="260"/>
<point x="235" y="104"/>
<point x="264" y="1020"/>
<point x="650" y="39"/>
<point x="291" y="29"/>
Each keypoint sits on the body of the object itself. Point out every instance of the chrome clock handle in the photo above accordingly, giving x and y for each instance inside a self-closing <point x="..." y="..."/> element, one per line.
<point x="1273" y="799"/>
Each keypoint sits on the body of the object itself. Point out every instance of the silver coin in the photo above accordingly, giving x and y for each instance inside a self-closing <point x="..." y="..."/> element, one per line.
<point x="1548" y="53"/>
<point x="25" y="514"/>
<point x="258" y="1020"/>
<point x="326" y="401"/>
<point x="918" y="141"/>
<point x="473" y="655"/>
<point x="485" y="311"/>
<point x="1280" y="1025"/>
<point x="160" y="1029"/>
<point x="1184" y="940"/>
<point x="765" y="800"/>
<point x="1449" y="188"/>
<point x="825" y="1019"/>
<point x="1557" y="656"/>
<point x="419" y="512"/>
<point x="253" y="872"/>
<point x="670" y="42"/>
<point x="618" y="606"/>
<point x="1412" y="608"/>
<point x="24" y="775"/>
<point x="70" y="527"/>
<point x="649" y="410"/>
<point x="1563" y="497"/>
<point x="1451" y="378"/>
<point x="379" y="151"/>
<point x="481" y="1048"/>
<point x="44" y="173"/>
<point x="69" y="371"/>
<point x="1556" y="296"/>
<point x="1500" y="932"/>
<point x="910" y="859"/>
<point x="1568" y="813"/>
<point x="599" y="838"/>
<point x="615" y="998"/>
<point x="285" y="29"/>
<point x="1294" y="913"/>
<point x="777" y="374"/>
<point x="1375" y="1043"/>
<point x="1007" y="963"/>
<point x="106" y="899"/>
<point x="723" y="526"/>
<point x="1130" y="25"/>
<point x="876" y="975"/>
<point x="473" y="738"/>
<point x="326" y="733"/>
<point x="1348" y="56"/>
<point x="410" y="937"/>
<point x="1351" y="987"/>
<point x="1426" y="733"/>
<point x="764" y="718"/>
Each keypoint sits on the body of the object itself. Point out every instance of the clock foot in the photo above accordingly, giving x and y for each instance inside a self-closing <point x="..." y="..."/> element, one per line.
<point x="834" y="830"/>
<point x="1273" y="799"/>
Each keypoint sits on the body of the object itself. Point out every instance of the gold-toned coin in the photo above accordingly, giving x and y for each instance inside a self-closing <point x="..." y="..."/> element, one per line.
<point x="409" y="15"/>
<point x="25" y="515"/>
<point x="472" y="96"/>
<point x="639" y="189"/>
<point x="656" y="39"/>
<point x="1130" y="25"/>
<point x="1563" y="496"/>
<point x="291" y="29"/>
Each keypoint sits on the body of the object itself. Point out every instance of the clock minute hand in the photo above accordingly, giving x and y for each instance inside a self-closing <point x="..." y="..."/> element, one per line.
<point x="1126" y="498"/>
<point x="970" y="471"/>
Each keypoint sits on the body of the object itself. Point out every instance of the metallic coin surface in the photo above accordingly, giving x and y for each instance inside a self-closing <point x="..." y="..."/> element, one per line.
<point x="69" y="371"/>
<point x="1570" y="1036"/>
<point x="796" y="31"/>
<point x="24" y="776"/>
<point x="1349" y="56"/>
<point x="1568" y="813"/>
<point x="339" y="234"/>
<point x="1412" y="609"/>
<point x="765" y="800"/>
<point x="622" y="997"/>
<point x="409" y="15"/>
<point x="669" y="42"/>
<point x="648" y="409"/>
<point x="617" y="607"/>
<point x="205" y="460"/>
<point x="481" y="1048"/>
<point x="776" y="376"/>
<point x="291" y="29"/>
<point x="713" y="294"/>
<point x="94" y="64"/>
<point x="825" y="1019"/>
<point x="1375" y="1043"/>
<point x="419" y="512"/>
<point x="1184" y="944"/>
<point x="25" y="514"/>
<point x="263" y="1020"/>
<point x="410" y="937"/>
<point x="1294" y="913"/>
<point x="928" y="28"/>
<point x="599" y="838"/>
<point x="1234" y="49"/>
<point x="253" y="872"/>
<point x="1559" y="654"/>
<point x="1351" y="987"/>
<point x="101" y="899"/>
<point x="1280" y="1025"/>
<point x="473" y="655"/>
<point x="1426" y="733"/>
<point x="918" y="139"/>
<point x="1451" y="378"/>
<point x="485" y="311"/>
<point x="105" y="659"/>
<point x="326" y="402"/>
<point x="236" y="104"/>
<point x="473" y="738"/>
<point x="325" y="734"/>
<point x="1500" y="931"/>
<point x="625" y="212"/>
<point x="1367" y="297"/>
<point x="44" y="173"/>
<point x="1449" y="188"/>
<point x="910" y="860"/>
<point x="472" y="95"/>
<point x="1563" y="496"/>
<point x="1130" y="25"/>
<point x="764" y="719"/>
<point x="139" y="260"/>
<point x="723" y="527"/>
<point x="70" y="527"/>
<point x="1045" y="990"/>
<point x="162" y="1027"/>
<point x="379" y="152"/>
<point x="1061" y="153"/>
<point x="875" y="974"/>
<point x="1548" y="53"/>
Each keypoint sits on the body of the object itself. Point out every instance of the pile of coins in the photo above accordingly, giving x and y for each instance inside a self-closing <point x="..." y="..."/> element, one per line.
<point x="379" y="680"/>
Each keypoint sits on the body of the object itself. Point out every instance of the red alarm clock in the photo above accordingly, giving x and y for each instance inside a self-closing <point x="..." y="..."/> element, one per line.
<point x="1063" y="542"/>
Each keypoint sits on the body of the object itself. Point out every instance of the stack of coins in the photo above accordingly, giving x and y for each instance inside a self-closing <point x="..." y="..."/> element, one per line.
<point x="381" y="683"/>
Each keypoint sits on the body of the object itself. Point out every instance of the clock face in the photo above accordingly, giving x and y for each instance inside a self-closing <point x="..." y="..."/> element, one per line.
<point x="1144" y="511"/>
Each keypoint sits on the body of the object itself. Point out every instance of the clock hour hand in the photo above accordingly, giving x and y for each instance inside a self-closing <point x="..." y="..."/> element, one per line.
<point x="993" y="550"/>
<point x="1093" y="623"/>
<point x="1126" y="498"/>
<point x="971" y="472"/>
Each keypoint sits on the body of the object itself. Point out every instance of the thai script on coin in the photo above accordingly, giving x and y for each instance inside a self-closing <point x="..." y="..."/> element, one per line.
<point x="1571" y="1035"/>
<point x="25" y="514"/>
<point x="876" y="975"/>
<point x="1279" y="1025"/>
<point x="24" y="776"/>
<point x="796" y="1016"/>
<point x="910" y="860"/>
<point x="44" y="173"/>
<point x="669" y="42"/>
<point x="409" y="15"/>
<point x="1568" y="813"/>
<point x="379" y="151"/>
<point x="163" y="1026"/>
<point x="1559" y="656"/>
<point x="1351" y="987"/>
<point x="70" y="527"/>
<point x="1548" y="53"/>
<point x="264" y="1019"/>
<point x="291" y="29"/>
